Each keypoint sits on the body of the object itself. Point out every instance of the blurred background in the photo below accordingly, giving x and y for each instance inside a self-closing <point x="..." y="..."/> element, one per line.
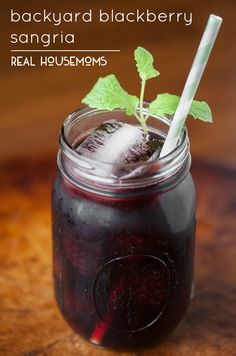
<point x="36" y="100"/>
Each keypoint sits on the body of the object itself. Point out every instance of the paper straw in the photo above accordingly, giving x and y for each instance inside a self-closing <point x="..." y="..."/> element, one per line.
<point x="194" y="77"/>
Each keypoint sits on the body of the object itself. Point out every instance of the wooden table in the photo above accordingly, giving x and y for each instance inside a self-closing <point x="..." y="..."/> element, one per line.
<point x="30" y="320"/>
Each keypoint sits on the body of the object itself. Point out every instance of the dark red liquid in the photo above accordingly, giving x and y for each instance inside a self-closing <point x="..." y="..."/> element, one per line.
<point x="123" y="268"/>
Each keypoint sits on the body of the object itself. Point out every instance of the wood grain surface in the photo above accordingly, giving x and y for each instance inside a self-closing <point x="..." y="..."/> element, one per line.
<point x="31" y="324"/>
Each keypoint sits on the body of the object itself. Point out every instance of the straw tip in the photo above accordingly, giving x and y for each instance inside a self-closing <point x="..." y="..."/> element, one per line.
<point x="216" y="18"/>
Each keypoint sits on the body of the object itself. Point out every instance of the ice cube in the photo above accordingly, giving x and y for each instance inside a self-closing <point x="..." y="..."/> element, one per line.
<point x="118" y="143"/>
<point x="110" y="141"/>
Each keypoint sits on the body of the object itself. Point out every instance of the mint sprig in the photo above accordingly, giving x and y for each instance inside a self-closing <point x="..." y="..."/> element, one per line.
<point x="144" y="62"/>
<point x="167" y="104"/>
<point x="107" y="94"/>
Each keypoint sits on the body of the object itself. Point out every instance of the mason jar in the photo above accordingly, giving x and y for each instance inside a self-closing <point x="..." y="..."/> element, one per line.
<point x="123" y="246"/>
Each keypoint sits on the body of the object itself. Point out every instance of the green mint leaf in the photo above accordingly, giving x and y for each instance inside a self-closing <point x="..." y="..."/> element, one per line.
<point x="144" y="63"/>
<point x="167" y="104"/>
<point x="201" y="110"/>
<point x="107" y="94"/>
<point x="164" y="104"/>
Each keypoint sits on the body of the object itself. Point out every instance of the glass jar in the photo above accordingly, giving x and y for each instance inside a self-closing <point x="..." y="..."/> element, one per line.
<point x="123" y="247"/>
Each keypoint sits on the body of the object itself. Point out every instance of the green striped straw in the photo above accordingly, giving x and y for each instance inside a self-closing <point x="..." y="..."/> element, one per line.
<point x="194" y="77"/>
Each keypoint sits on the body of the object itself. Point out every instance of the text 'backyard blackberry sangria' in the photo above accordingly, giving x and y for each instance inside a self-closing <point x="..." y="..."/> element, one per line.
<point x="123" y="230"/>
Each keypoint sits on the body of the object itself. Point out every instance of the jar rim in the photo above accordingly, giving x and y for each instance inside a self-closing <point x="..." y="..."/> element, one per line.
<point x="156" y="170"/>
